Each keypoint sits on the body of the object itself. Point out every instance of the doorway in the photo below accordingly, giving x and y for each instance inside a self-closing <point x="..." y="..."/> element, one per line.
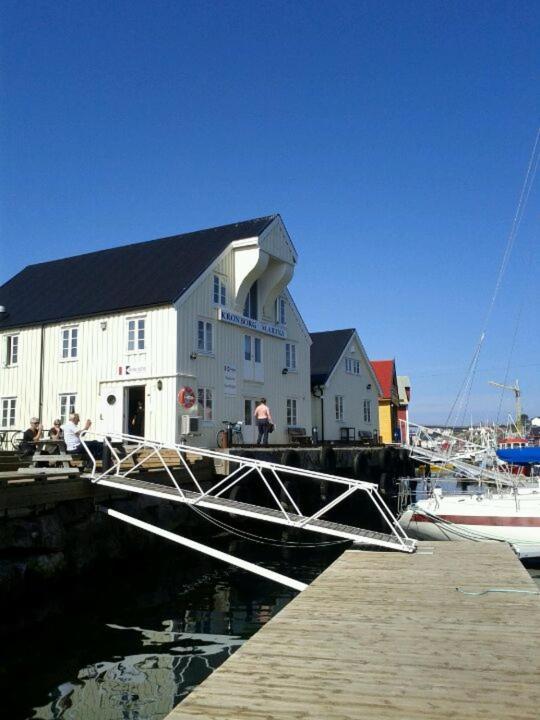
<point x="136" y="409"/>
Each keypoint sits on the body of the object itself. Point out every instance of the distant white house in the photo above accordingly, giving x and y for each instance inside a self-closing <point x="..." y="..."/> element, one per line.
<point x="199" y="325"/>
<point x="344" y="387"/>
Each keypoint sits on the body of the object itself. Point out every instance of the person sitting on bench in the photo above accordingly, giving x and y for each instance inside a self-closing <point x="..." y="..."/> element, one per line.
<point x="73" y="443"/>
<point x="31" y="437"/>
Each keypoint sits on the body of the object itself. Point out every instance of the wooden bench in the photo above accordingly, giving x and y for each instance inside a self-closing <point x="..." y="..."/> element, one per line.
<point x="298" y="436"/>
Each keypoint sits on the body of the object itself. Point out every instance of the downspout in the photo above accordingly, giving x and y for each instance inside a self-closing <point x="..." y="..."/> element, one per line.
<point x="41" y="371"/>
<point x="322" y="419"/>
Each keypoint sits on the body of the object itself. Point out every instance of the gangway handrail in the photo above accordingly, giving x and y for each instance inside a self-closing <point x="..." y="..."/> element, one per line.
<point x="117" y="476"/>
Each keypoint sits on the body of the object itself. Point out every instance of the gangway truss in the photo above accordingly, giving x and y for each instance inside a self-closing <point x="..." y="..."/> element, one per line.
<point x="128" y="455"/>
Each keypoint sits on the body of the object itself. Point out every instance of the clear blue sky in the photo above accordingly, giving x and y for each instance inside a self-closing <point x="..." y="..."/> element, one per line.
<point x="392" y="137"/>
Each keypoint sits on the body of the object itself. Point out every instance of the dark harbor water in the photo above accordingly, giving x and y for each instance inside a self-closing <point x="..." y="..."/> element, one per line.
<point x="131" y="642"/>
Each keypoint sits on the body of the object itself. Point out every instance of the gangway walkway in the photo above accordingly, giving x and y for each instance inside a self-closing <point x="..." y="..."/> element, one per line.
<point x="274" y="479"/>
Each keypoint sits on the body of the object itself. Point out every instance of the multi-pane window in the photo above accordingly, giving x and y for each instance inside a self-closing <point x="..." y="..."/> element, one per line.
<point x="250" y="306"/>
<point x="352" y="366"/>
<point x="70" y="343"/>
<point x="136" y="331"/>
<point x="367" y="411"/>
<point x="253" y="358"/>
<point x="8" y="412"/>
<point x="12" y="350"/>
<point x="339" y="408"/>
<point x="290" y="356"/>
<point x="220" y="294"/>
<point x="205" y="400"/>
<point x="280" y="311"/>
<point x="205" y="336"/>
<point x="291" y="411"/>
<point x="67" y="406"/>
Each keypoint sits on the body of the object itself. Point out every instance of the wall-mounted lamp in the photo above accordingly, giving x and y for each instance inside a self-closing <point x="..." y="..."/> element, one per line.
<point x="193" y="356"/>
<point x="368" y="386"/>
<point x="317" y="391"/>
<point x="285" y="371"/>
<point x="160" y="384"/>
<point x="103" y="324"/>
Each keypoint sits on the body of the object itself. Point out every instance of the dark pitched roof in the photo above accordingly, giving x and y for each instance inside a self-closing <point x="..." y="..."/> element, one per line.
<point x="144" y="274"/>
<point x="326" y="350"/>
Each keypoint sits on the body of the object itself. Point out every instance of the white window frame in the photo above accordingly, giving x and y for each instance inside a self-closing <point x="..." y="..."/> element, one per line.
<point x="367" y="411"/>
<point x="12" y="350"/>
<point x="338" y="406"/>
<point x="219" y="291"/>
<point x="8" y="414"/>
<point x="69" y="343"/>
<point x="292" y="412"/>
<point x="205" y="400"/>
<point x="66" y="403"/>
<point x="290" y="357"/>
<point x="136" y="334"/>
<point x="352" y="366"/>
<point x="281" y="317"/>
<point x="205" y="337"/>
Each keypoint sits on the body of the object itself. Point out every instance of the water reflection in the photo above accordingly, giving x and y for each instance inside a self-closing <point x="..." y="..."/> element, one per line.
<point x="134" y="651"/>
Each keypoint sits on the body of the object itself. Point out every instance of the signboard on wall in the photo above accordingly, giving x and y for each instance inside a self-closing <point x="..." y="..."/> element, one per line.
<point x="249" y="324"/>
<point x="229" y="380"/>
<point x="134" y="370"/>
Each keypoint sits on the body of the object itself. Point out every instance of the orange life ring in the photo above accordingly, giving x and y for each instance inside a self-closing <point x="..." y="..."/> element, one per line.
<point x="186" y="397"/>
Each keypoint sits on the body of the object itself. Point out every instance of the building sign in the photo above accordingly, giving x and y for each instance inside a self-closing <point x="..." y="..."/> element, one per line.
<point x="134" y="370"/>
<point x="249" y="324"/>
<point x="229" y="380"/>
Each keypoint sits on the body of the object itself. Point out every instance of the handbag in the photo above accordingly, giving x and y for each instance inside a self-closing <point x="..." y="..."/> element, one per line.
<point x="270" y="427"/>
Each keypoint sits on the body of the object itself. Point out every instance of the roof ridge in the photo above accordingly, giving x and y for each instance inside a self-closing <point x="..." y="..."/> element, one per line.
<point x="270" y="218"/>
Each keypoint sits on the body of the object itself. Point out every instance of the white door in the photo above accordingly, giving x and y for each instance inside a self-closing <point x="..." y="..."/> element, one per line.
<point x="112" y="409"/>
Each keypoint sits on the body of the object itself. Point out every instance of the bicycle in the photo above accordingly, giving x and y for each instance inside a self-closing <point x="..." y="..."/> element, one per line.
<point x="230" y="435"/>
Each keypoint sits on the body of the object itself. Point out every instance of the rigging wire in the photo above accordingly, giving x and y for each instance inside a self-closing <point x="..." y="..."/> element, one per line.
<point x="462" y="399"/>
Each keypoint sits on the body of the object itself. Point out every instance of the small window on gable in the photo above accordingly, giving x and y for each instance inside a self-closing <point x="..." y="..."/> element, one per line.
<point x="12" y="350"/>
<point x="251" y="304"/>
<point x="352" y="365"/>
<point x="281" y="318"/>
<point x="219" y="292"/>
<point x="205" y="336"/>
<point x="290" y="356"/>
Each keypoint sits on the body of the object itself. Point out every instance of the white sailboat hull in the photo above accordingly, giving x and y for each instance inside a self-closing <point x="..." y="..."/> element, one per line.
<point x="505" y="517"/>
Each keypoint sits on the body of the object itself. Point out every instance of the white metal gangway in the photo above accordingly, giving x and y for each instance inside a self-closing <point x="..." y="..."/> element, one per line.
<point x="129" y="454"/>
<point x="446" y="450"/>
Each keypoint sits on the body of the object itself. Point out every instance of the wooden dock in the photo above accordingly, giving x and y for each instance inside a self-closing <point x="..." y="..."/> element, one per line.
<point x="386" y="636"/>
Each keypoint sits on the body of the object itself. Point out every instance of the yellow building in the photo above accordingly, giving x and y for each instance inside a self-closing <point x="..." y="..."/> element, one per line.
<point x="385" y="370"/>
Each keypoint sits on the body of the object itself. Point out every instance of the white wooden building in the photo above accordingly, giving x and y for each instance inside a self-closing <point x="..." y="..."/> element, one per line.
<point x="199" y="325"/>
<point x="344" y="386"/>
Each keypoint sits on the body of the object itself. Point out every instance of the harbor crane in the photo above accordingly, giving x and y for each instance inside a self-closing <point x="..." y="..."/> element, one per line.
<point x="517" y="395"/>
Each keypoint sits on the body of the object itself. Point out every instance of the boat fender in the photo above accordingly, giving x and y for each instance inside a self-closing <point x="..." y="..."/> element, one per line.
<point x="360" y="464"/>
<point x="291" y="458"/>
<point x="328" y="459"/>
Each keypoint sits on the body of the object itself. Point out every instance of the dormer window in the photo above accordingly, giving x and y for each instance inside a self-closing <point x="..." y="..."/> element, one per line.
<point x="250" y="306"/>
<point x="220" y="292"/>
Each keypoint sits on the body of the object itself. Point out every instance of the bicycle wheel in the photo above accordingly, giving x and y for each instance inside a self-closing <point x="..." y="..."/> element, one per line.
<point x="16" y="439"/>
<point x="221" y="439"/>
<point x="237" y="438"/>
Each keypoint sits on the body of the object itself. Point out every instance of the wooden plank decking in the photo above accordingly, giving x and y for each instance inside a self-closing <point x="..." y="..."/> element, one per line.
<point x="386" y="636"/>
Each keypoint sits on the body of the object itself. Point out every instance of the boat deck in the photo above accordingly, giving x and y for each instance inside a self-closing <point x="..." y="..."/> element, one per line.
<point x="386" y="636"/>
